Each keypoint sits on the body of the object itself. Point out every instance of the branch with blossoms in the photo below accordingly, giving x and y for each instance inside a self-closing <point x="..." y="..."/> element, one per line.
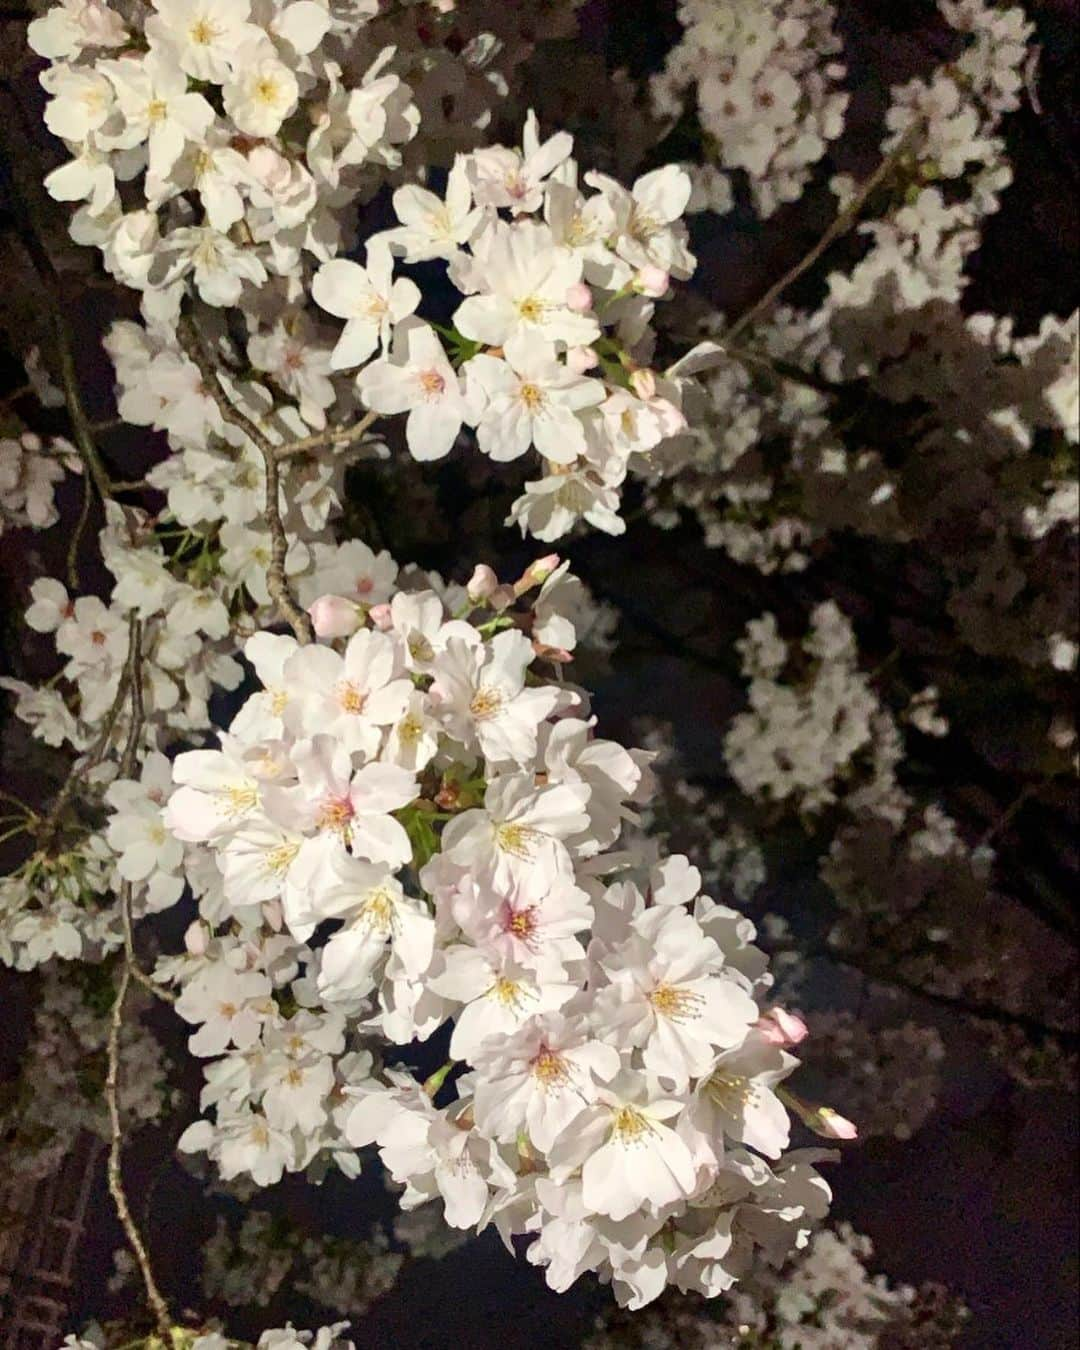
<point x="412" y="824"/>
<point x="413" y="828"/>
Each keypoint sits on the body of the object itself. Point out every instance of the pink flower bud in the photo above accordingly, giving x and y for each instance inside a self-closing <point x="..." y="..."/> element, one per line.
<point x="652" y="281"/>
<point x="332" y="616"/>
<point x="643" y="383"/>
<point x="557" y="654"/>
<point x="832" y="1125"/>
<point x="380" y="616"/>
<point x="482" y="585"/>
<point x="579" y="298"/>
<point x="782" y="1028"/>
<point x="536" y="573"/>
<point x="581" y="359"/>
<point x="197" y="938"/>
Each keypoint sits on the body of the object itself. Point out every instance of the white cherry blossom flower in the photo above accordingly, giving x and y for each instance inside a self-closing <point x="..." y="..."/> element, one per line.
<point x="539" y="1078"/>
<point x="666" y="997"/>
<point x="480" y="696"/>
<point x="432" y="227"/>
<point x="498" y="996"/>
<point x="520" y="828"/>
<point x="647" y="218"/>
<point x="523" y="282"/>
<point x="206" y="35"/>
<point x="368" y="298"/>
<point x="262" y="90"/>
<point x="503" y="177"/>
<point x="349" y="697"/>
<point x="736" y="1100"/>
<point x="630" y="1158"/>
<point x="152" y="94"/>
<point x="418" y="379"/>
<point x="531" y="398"/>
<point x="230" y="1004"/>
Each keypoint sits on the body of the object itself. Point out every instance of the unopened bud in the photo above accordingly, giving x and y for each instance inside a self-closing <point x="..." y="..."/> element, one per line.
<point x="333" y="616"/>
<point x="782" y="1028"/>
<point x="652" y="281"/>
<point x="482" y="585"/>
<point x="581" y="359"/>
<point x="557" y="654"/>
<point x="823" y="1120"/>
<point x="536" y="573"/>
<point x="381" y="617"/>
<point x="197" y="938"/>
<point x="579" y="298"/>
<point x="832" y="1125"/>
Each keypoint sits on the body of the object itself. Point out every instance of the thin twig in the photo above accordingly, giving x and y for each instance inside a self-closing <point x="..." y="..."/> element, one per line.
<point x="127" y="766"/>
<point x="116" y="1183"/>
<point x="332" y="436"/>
<point x="129" y="970"/>
<point x="18" y="801"/>
<point x="76" y="538"/>
<point x="1007" y="815"/>
<point x="839" y="227"/>
<point x="780" y="369"/>
<point x="1036" y="1030"/>
<point x="276" y="581"/>
<point x="131" y="745"/>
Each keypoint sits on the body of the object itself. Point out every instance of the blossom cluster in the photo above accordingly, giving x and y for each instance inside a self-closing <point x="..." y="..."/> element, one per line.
<point x="949" y="126"/>
<point x="248" y="1266"/>
<point x="244" y="110"/>
<point x="824" y="1298"/>
<point x="287" y="1337"/>
<point x="765" y="78"/>
<point x="800" y="736"/>
<point x="252" y="115"/>
<point x="59" y="1090"/>
<point x="167" y="628"/>
<point x="29" y="473"/>
<point x="415" y="827"/>
<point x="550" y="346"/>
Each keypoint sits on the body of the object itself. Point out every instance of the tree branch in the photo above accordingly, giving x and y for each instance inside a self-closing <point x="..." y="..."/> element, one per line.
<point x="276" y="581"/>
<point x="1036" y="1030"/>
<point x="839" y="227"/>
<point x="332" y="436"/>
<point x="116" y="1183"/>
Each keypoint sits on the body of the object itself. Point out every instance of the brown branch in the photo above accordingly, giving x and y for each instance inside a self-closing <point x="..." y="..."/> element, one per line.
<point x="51" y="823"/>
<point x="130" y="970"/>
<point x="116" y="1182"/>
<point x="332" y="436"/>
<point x="276" y="581"/>
<point x="1035" y="1029"/>
<point x="127" y="766"/>
<point x="839" y="227"/>
<point x="780" y="369"/>
<point x="77" y="534"/>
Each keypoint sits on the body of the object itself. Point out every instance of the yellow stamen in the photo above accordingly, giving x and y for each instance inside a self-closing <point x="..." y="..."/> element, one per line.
<point x="678" y="1005"/>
